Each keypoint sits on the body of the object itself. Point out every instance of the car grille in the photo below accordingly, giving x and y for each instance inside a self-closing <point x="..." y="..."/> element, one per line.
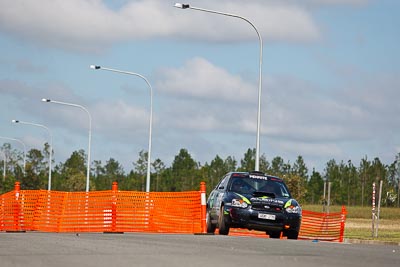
<point x="266" y="207"/>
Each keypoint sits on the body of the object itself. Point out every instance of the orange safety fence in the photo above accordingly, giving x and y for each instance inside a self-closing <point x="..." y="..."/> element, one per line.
<point x="132" y="211"/>
<point x="101" y="211"/>
<point x="323" y="226"/>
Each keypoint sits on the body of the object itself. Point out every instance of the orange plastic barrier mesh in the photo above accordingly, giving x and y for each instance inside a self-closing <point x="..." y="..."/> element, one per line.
<point x="101" y="211"/>
<point x="323" y="226"/>
<point x="130" y="211"/>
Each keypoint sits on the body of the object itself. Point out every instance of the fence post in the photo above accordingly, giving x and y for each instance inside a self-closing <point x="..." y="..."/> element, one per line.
<point x="203" y="207"/>
<point x="17" y="207"/>
<point x="342" y="223"/>
<point x="114" y="207"/>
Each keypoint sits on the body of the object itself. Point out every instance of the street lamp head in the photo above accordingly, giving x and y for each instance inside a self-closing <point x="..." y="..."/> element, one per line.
<point x="46" y="100"/>
<point x="15" y="121"/>
<point x="183" y="6"/>
<point x="95" y="67"/>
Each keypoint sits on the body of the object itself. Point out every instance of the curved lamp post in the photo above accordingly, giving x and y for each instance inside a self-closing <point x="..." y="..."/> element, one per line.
<point x="187" y="6"/>
<point x="151" y="115"/>
<point x="51" y="145"/>
<point x="22" y="143"/>
<point x="90" y="133"/>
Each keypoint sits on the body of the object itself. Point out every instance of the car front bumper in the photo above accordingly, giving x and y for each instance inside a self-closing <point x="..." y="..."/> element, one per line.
<point x="249" y="218"/>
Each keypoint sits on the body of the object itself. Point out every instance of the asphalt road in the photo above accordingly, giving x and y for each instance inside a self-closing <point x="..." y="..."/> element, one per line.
<point x="137" y="249"/>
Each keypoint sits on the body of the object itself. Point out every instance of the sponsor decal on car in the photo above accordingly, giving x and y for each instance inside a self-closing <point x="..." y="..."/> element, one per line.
<point x="267" y="200"/>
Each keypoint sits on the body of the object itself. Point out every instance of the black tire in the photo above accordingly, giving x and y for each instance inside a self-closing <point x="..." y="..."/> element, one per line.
<point x="292" y="234"/>
<point x="210" y="227"/>
<point x="223" y="223"/>
<point x="274" y="234"/>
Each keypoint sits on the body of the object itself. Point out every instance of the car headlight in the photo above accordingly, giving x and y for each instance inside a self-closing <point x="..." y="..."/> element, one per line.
<point x="291" y="206"/>
<point x="293" y="209"/>
<point x="239" y="203"/>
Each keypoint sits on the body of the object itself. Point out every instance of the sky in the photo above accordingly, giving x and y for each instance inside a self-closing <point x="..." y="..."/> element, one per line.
<point x="330" y="78"/>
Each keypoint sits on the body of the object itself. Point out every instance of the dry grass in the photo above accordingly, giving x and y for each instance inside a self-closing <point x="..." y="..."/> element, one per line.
<point x="388" y="229"/>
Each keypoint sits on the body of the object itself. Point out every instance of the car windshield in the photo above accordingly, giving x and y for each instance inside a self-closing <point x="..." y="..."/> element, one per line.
<point x="247" y="185"/>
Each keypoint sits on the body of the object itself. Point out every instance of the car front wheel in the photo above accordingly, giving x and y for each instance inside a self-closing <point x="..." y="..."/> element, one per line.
<point x="274" y="234"/>
<point x="223" y="223"/>
<point x="292" y="234"/>
<point x="210" y="227"/>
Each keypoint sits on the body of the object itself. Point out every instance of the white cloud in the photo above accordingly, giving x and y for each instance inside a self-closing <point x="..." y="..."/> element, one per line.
<point x="274" y="21"/>
<point x="117" y="118"/>
<point x="207" y="98"/>
<point x="335" y="2"/>
<point x="85" y="24"/>
<point x="200" y="79"/>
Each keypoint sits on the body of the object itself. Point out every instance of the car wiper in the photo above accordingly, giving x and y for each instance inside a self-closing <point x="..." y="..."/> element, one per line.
<point x="263" y="194"/>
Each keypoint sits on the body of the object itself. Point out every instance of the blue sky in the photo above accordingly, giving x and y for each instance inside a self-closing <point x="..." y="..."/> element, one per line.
<point x="330" y="78"/>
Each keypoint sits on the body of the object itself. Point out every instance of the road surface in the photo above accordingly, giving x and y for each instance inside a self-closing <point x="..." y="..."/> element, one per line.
<point x="37" y="249"/>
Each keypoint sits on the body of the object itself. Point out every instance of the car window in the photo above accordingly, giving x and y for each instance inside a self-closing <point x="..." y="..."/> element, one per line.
<point x="223" y="182"/>
<point x="249" y="185"/>
<point x="241" y="186"/>
<point x="278" y="188"/>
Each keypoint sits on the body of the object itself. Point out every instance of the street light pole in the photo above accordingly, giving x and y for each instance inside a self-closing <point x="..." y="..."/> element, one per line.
<point x="22" y="143"/>
<point x="95" y="67"/>
<point x="187" y="6"/>
<point x="90" y="133"/>
<point x="51" y="145"/>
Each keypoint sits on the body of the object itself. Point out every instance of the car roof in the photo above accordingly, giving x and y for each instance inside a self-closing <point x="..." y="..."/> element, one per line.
<point x="253" y="173"/>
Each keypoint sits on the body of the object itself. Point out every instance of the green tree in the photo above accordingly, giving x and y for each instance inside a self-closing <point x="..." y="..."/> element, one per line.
<point x="332" y="175"/>
<point x="248" y="162"/>
<point x="294" y="183"/>
<point x="13" y="160"/>
<point x="184" y="172"/>
<point x="216" y="170"/>
<point x="264" y="164"/>
<point x="363" y="171"/>
<point x="230" y="164"/>
<point x="141" y="167"/>
<point x="315" y="188"/>
<point x="299" y="168"/>
<point x="159" y="167"/>
<point x="106" y="175"/>
<point x="36" y="171"/>
<point x="75" y="182"/>
<point x="76" y="163"/>
<point x="72" y="175"/>
<point x="278" y="167"/>
<point x="36" y="159"/>
<point x="114" y="170"/>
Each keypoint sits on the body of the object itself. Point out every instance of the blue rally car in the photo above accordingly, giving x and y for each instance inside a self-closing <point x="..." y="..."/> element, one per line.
<point x="254" y="201"/>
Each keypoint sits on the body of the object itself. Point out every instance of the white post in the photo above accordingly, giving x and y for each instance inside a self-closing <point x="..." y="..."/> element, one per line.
<point x="373" y="208"/>
<point x="329" y="196"/>
<point x="379" y="208"/>
<point x="324" y="198"/>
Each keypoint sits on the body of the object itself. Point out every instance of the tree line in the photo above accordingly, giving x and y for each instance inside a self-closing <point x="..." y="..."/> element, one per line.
<point x="350" y="185"/>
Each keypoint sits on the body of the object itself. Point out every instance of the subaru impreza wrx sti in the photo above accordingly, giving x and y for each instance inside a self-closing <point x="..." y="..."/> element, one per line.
<point x="255" y="201"/>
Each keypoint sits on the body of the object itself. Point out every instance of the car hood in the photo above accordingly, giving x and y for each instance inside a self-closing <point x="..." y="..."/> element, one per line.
<point x="265" y="199"/>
